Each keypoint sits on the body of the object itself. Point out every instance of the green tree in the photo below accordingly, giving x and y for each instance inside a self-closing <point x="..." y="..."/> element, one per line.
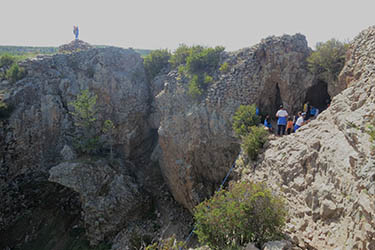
<point x="84" y="116"/>
<point x="244" y="118"/>
<point x="155" y="62"/>
<point x="247" y="212"/>
<point x="328" y="59"/>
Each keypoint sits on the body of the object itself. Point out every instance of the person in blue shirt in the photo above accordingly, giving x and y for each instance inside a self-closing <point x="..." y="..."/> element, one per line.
<point x="267" y="123"/>
<point x="76" y="31"/>
<point x="282" y="117"/>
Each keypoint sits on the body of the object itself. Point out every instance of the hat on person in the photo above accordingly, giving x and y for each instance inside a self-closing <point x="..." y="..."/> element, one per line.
<point x="303" y="114"/>
<point x="281" y="106"/>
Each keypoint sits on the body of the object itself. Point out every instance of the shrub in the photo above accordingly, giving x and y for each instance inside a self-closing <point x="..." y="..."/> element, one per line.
<point x="6" y="61"/>
<point x="254" y="141"/>
<point x="328" y="59"/>
<point x="195" y="89"/>
<point x="166" y="244"/>
<point x="224" y="67"/>
<point x="155" y="62"/>
<point x="179" y="56"/>
<point x="244" y="118"/>
<point x="203" y="60"/>
<point x="371" y="131"/>
<point x="197" y="63"/>
<point x="247" y="212"/>
<point x="15" y="73"/>
<point x="84" y="116"/>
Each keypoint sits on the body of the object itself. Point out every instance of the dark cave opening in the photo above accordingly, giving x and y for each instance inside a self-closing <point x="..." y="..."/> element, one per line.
<point x="269" y="106"/>
<point x="318" y="96"/>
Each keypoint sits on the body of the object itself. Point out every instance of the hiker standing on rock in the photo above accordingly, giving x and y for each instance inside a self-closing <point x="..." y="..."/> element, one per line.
<point x="76" y="31"/>
<point x="282" y="116"/>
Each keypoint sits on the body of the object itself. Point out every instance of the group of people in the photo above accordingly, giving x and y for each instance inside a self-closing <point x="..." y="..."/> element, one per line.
<point x="287" y="124"/>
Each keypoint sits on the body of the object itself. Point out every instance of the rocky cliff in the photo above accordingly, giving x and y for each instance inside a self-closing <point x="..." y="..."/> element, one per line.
<point x="196" y="138"/>
<point x="39" y="135"/>
<point x="326" y="171"/>
<point x="161" y="136"/>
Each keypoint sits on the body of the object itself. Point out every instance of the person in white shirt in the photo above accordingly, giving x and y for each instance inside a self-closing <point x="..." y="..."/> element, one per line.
<point x="282" y="116"/>
<point x="300" y="121"/>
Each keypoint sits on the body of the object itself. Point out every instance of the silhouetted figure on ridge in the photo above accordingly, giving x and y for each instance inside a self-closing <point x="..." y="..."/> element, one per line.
<point x="76" y="31"/>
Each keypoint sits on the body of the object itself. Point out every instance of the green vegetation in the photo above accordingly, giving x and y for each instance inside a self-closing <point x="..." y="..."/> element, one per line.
<point x="84" y="116"/>
<point x="7" y="60"/>
<point x="254" y="141"/>
<point x="371" y="131"/>
<point x="12" y="71"/>
<point x="155" y="62"/>
<point x="245" y="122"/>
<point x="166" y="244"/>
<point x="328" y="59"/>
<point x="224" y="68"/>
<point x="245" y="118"/>
<point x="247" y="212"/>
<point x="197" y="63"/>
<point x="15" y="73"/>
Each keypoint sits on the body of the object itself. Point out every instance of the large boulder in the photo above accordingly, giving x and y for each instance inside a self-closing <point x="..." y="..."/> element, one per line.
<point x="326" y="170"/>
<point x="196" y="138"/>
<point x="109" y="196"/>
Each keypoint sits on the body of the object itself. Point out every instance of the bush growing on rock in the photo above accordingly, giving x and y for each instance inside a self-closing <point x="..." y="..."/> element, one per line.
<point x="6" y="61"/>
<point x="244" y="118"/>
<point x="197" y="63"/>
<point x="328" y="59"/>
<point x="84" y="116"/>
<point x="254" y="141"/>
<point x="247" y="212"/>
<point x="15" y="73"/>
<point x="224" y="67"/>
<point x="155" y="62"/>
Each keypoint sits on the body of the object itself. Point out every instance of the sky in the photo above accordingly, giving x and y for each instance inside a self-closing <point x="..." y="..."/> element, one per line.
<point x="154" y="24"/>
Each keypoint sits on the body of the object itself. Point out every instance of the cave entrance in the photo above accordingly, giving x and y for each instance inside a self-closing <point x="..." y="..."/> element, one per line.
<point x="318" y="96"/>
<point x="270" y="100"/>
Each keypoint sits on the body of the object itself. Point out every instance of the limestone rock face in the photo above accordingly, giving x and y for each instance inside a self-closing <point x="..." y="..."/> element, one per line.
<point x="326" y="170"/>
<point x="110" y="198"/>
<point x="196" y="138"/>
<point x="40" y="132"/>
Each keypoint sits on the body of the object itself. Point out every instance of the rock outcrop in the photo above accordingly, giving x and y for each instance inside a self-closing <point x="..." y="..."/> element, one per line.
<point x="109" y="196"/>
<point x="326" y="171"/>
<point x="196" y="138"/>
<point x="40" y="132"/>
<point x="74" y="46"/>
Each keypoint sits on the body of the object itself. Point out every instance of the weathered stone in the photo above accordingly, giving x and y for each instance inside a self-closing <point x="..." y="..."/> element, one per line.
<point x="110" y="197"/>
<point x="196" y="137"/>
<point x="250" y="246"/>
<point x="339" y="168"/>
<point x="328" y="210"/>
<point x="277" y="245"/>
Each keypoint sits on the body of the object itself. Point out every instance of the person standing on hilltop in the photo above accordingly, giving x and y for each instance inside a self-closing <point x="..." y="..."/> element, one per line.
<point x="282" y="116"/>
<point x="76" y="31"/>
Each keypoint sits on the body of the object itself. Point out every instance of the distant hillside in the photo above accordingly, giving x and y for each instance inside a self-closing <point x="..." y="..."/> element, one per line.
<point x="29" y="51"/>
<point x="20" y="50"/>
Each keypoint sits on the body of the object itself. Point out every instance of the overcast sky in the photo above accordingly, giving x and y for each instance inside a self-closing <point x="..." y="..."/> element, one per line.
<point x="152" y="24"/>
